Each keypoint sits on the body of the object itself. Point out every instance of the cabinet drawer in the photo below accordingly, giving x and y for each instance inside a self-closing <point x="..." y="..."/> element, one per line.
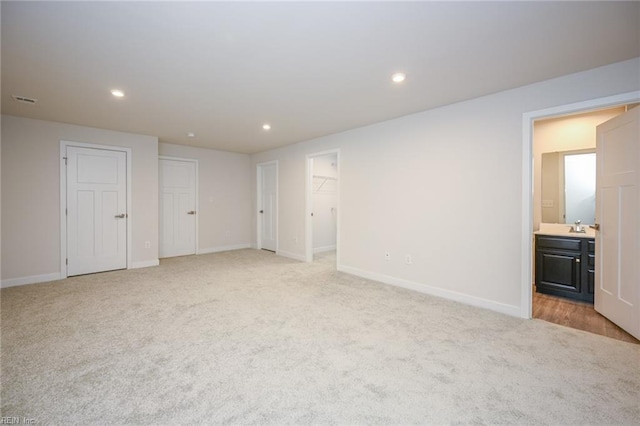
<point x="591" y="246"/>
<point x="592" y="260"/>
<point x="559" y="243"/>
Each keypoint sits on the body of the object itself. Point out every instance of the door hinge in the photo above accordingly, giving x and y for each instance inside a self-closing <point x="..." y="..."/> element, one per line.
<point x="66" y="261"/>
<point x="65" y="160"/>
<point x="66" y="212"/>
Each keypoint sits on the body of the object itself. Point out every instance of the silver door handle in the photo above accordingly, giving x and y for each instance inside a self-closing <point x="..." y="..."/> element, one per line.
<point x="192" y="212"/>
<point x="121" y="216"/>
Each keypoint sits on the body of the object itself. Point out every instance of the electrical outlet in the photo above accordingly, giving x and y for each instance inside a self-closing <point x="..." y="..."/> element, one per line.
<point x="408" y="259"/>
<point x="147" y="244"/>
<point x="387" y="256"/>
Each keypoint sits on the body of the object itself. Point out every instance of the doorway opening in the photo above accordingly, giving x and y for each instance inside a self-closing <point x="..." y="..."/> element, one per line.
<point x="322" y="207"/>
<point x="556" y="131"/>
<point x="267" y="203"/>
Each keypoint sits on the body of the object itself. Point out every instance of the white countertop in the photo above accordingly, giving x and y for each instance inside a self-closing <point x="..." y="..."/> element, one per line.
<point x="562" y="230"/>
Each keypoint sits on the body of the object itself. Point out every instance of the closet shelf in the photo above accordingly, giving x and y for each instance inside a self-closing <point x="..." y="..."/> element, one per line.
<point x="326" y="178"/>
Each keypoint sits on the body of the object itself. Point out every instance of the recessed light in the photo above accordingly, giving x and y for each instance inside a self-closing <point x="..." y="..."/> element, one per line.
<point x="191" y="135"/>
<point x="117" y="93"/>
<point x="266" y="126"/>
<point x="398" y="77"/>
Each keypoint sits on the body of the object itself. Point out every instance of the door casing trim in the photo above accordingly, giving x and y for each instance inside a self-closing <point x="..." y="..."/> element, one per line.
<point x="63" y="199"/>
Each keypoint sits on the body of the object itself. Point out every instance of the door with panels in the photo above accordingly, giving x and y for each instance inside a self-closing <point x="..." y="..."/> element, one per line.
<point x="617" y="272"/>
<point x="177" y="197"/>
<point x="268" y="206"/>
<point x="96" y="210"/>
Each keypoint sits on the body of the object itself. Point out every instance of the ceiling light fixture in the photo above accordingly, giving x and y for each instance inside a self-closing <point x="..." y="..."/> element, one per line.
<point x="117" y="93"/>
<point x="266" y="126"/>
<point x="398" y="77"/>
<point x="191" y="135"/>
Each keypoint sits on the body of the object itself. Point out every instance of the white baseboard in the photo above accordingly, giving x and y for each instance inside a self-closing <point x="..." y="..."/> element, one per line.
<point x="144" y="264"/>
<point x="293" y="256"/>
<point x="224" y="248"/>
<point x="323" y="249"/>
<point x="434" y="291"/>
<point x="33" y="279"/>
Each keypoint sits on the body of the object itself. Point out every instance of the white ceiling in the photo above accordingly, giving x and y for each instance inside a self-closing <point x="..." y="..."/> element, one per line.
<point x="310" y="69"/>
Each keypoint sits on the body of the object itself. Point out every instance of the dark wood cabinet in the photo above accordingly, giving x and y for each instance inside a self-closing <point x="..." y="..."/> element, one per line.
<point x="565" y="266"/>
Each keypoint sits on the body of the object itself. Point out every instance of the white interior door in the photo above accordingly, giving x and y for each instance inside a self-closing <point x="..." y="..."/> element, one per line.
<point x="177" y="207"/>
<point x="269" y="209"/>
<point x="617" y="274"/>
<point x="96" y="210"/>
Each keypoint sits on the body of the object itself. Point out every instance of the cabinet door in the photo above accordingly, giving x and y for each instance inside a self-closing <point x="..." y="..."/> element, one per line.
<point x="557" y="270"/>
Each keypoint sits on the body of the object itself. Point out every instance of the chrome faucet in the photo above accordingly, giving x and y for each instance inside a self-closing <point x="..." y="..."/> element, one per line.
<point x="578" y="227"/>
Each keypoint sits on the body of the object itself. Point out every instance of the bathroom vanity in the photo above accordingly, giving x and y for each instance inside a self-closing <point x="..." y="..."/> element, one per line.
<point x="564" y="264"/>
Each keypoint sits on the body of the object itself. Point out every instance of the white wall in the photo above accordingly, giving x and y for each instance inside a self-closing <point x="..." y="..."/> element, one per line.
<point x="444" y="186"/>
<point x="570" y="133"/>
<point x="324" y="201"/>
<point x="31" y="195"/>
<point x="224" y="192"/>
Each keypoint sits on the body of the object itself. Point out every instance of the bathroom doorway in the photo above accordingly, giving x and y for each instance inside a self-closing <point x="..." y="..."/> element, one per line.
<point x="557" y="141"/>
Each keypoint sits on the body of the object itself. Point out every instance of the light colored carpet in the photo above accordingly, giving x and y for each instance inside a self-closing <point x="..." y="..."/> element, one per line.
<point x="246" y="337"/>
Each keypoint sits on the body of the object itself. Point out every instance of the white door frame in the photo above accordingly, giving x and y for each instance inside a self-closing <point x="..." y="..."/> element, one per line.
<point x="526" y="298"/>
<point x="63" y="199"/>
<point x="197" y="194"/>
<point x="308" y="223"/>
<point x="259" y="167"/>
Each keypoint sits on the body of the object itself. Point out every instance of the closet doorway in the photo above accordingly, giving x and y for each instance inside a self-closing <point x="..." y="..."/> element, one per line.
<point x="322" y="206"/>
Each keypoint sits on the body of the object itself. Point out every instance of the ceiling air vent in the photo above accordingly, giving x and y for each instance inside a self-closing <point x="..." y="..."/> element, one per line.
<point x="24" y="99"/>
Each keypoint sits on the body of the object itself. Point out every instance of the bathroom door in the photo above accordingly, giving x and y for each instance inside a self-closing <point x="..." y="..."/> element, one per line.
<point x="617" y="273"/>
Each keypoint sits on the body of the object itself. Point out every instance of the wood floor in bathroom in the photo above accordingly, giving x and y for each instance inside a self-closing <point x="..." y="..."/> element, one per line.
<point x="574" y="314"/>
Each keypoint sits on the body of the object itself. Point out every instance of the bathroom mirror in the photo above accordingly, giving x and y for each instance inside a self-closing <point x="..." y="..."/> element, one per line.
<point x="569" y="187"/>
